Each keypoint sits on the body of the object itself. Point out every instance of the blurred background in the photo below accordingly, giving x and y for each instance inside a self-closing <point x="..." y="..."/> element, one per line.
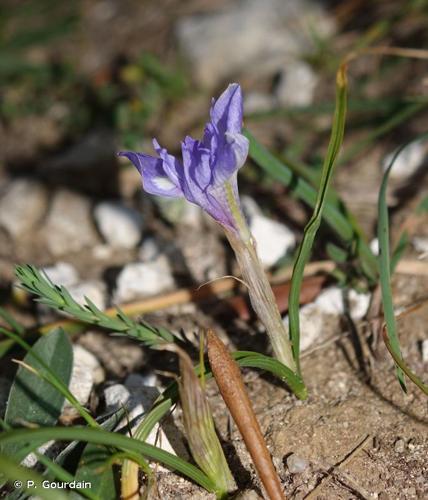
<point x="81" y="80"/>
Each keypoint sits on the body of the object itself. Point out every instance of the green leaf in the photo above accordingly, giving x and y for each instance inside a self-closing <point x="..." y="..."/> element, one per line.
<point x="32" y="399"/>
<point x="50" y="377"/>
<point x="402" y="365"/>
<point x="399" y="250"/>
<point x="98" y="436"/>
<point x="272" y="365"/>
<point x="93" y="467"/>
<point x="345" y="227"/>
<point x="311" y="228"/>
<point x="385" y="268"/>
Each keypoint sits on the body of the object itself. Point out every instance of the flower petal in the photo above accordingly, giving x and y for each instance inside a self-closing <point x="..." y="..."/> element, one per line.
<point x="226" y="112"/>
<point x="229" y="157"/>
<point x="155" y="180"/>
<point x="172" y="167"/>
<point x="196" y="164"/>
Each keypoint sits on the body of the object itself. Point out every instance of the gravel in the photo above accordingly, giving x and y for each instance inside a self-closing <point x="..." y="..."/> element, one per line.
<point x="119" y="225"/>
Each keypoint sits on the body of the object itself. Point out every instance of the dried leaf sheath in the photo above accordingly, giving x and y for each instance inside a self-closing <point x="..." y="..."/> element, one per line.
<point x="199" y="426"/>
<point x="231" y="385"/>
<point x="262" y="298"/>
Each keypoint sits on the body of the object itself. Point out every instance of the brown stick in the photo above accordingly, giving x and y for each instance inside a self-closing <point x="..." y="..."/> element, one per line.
<point x="231" y="386"/>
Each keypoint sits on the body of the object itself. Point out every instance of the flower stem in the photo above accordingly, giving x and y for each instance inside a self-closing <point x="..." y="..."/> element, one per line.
<point x="261" y="297"/>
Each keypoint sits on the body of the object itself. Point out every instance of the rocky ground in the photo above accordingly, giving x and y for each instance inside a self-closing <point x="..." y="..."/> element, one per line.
<point x="73" y="209"/>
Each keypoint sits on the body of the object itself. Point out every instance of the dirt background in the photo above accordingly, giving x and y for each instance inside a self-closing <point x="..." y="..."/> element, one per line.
<point x="359" y="435"/>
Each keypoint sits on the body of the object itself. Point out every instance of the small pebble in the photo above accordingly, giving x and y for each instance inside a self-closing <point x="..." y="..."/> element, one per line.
<point x="296" y="85"/>
<point x="68" y="227"/>
<point x="420" y="244"/>
<point x="119" y="225"/>
<point x="149" y="250"/>
<point x="94" y="290"/>
<point x="62" y="273"/>
<point x="102" y="251"/>
<point x="138" y="398"/>
<point x="86" y="372"/>
<point x="115" y="397"/>
<point x="332" y="301"/>
<point x="139" y="280"/>
<point x="296" y="464"/>
<point x="399" y="445"/>
<point x="22" y="206"/>
<point x="257" y="102"/>
<point x="311" y="325"/>
<point x="273" y="239"/>
<point x="424" y="348"/>
<point x="407" y="162"/>
<point x="374" y="246"/>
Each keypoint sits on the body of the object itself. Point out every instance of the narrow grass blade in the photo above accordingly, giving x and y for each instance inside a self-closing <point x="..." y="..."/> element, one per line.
<point x="94" y="468"/>
<point x="11" y="321"/>
<point x="112" y="439"/>
<point x="345" y="227"/>
<point x="256" y="360"/>
<point x="402" y="365"/>
<point x="315" y="221"/>
<point x="385" y="268"/>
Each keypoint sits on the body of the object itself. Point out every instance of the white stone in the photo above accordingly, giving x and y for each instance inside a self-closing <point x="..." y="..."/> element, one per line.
<point x="86" y="372"/>
<point x="94" y="290"/>
<point x="115" y="397"/>
<point x="119" y="225"/>
<point x="329" y="303"/>
<point x="312" y="321"/>
<point x="273" y="239"/>
<point x="249" y="36"/>
<point x="332" y="301"/>
<point x="31" y="460"/>
<point x="68" y="226"/>
<point x="425" y="351"/>
<point x="250" y="207"/>
<point x="420" y="244"/>
<point x="62" y="273"/>
<point x="359" y="304"/>
<point x="296" y="464"/>
<point x="22" y="206"/>
<point x="149" y="250"/>
<point x="138" y="398"/>
<point x="102" y="251"/>
<point x="85" y="358"/>
<point x="374" y="246"/>
<point x="296" y="85"/>
<point x="139" y="280"/>
<point x="257" y="102"/>
<point x="407" y="162"/>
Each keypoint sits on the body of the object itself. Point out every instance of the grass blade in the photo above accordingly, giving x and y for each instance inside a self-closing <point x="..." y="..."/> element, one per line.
<point x="385" y="269"/>
<point x="98" y="436"/>
<point x="315" y="221"/>
<point x="345" y="227"/>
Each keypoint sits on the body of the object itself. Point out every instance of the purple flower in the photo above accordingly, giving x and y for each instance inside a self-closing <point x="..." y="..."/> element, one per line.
<point x="207" y="175"/>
